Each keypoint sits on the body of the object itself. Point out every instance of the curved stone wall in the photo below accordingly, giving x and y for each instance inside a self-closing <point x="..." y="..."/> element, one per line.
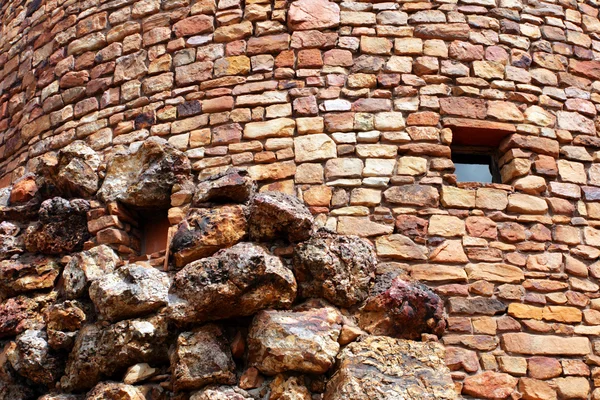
<point x="353" y="107"/>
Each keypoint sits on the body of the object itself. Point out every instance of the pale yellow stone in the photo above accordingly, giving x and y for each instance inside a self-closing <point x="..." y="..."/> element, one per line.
<point x="446" y="226"/>
<point x="453" y="197"/>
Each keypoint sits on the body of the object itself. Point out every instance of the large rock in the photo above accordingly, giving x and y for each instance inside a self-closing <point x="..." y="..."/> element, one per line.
<point x="402" y="309"/>
<point x="20" y="313"/>
<point x="200" y="358"/>
<point x="275" y="215"/>
<point x="301" y="341"/>
<point x="207" y="230"/>
<point x="105" y="352"/>
<point x="335" y="267"/>
<point x="235" y="282"/>
<point x="27" y="273"/>
<point x="62" y="227"/>
<point x="221" y="393"/>
<point x="31" y="356"/>
<point x="114" y="391"/>
<point x="87" y="266"/>
<point x="75" y="174"/>
<point x="313" y="14"/>
<point x="232" y="186"/>
<point x="131" y="291"/>
<point x="144" y="178"/>
<point x="11" y="242"/>
<point x="383" y="368"/>
<point x="63" y="321"/>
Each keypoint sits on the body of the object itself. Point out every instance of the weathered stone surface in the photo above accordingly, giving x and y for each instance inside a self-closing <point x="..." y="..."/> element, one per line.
<point x="62" y="227"/>
<point x="131" y="291"/>
<point x="11" y="243"/>
<point x="145" y="177"/>
<point x="207" y="230"/>
<point x="20" y="313"/>
<point x="27" y="273"/>
<point x="524" y="343"/>
<point x="107" y="352"/>
<point x="313" y="14"/>
<point x="221" y="393"/>
<point x="502" y="273"/>
<point x="232" y="186"/>
<point x="114" y="391"/>
<point x="336" y="268"/>
<point x="276" y="215"/>
<point x="200" y="358"/>
<point x="380" y="367"/>
<point x="415" y="195"/>
<point x="32" y="358"/>
<point x="402" y="309"/>
<point x="75" y="174"/>
<point x="301" y="341"/>
<point x="86" y="267"/>
<point x="400" y="247"/>
<point x="234" y="282"/>
<point x="490" y="385"/>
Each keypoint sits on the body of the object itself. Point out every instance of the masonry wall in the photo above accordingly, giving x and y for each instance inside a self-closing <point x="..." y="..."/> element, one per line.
<point x="353" y="106"/>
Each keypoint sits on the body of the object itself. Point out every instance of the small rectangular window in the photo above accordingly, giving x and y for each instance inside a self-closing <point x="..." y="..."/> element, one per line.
<point x="475" y="165"/>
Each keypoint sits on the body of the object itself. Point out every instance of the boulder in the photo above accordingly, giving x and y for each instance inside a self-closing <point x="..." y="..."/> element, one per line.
<point x="200" y="358"/>
<point x="31" y="356"/>
<point x="87" y="266"/>
<point x="235" y="282"/>
<point x="106" y="352"/>
<point x="402" y="309"/>
<point x="144" y="178"/>
<point x="23" y="190"/>
<point x="301" y="341"/>
<point x="274" y="215"/>
<point x="27" y="273"/>
<point x="131" y="291"/>
<point x="382" y="368"/>
<point x="291" y="388"/>
<point x="63" y="321"/>
<point x="207" y="230"/>
<point x="62" y="227"/>
<point x="335" y="267"/>
<point x="75" y="174"/>
<point x="221" y="393"/>
<point x="114" y="391"/>
<point x="232" y="186"/>
<point x="20" y="313"/>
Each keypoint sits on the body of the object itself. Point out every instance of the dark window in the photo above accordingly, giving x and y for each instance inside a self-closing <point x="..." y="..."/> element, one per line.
<point x="475" y="165"/>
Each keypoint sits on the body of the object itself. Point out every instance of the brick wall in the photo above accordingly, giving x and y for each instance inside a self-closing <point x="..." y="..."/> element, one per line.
<point x="352" y="106"/>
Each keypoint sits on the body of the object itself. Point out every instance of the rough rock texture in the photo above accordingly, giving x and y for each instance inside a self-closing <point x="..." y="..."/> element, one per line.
<point x="221" y="393"/>
<point x="235" y="282"/>
<point x="336" y="268"/>
<point x="62" y="227"/>
<point x="301" y="341"/>
<point x="232" y="186"/>
<point x="144" y="178"/>
<point x="11" y="242"/>
<point x="107" y="352"/>
<point x="131" y="291"/>
<point x="88" y="266"/>
<point x="114" y="391"/>
<point x="32" y="357"/>
<point x="206" y="230"/>
<point x="380" y="367"/>
<point x="275" y="215"/>
<point x="402" y="309"/>
<point x="202" y="357"/>
<point x="27" y="273"/>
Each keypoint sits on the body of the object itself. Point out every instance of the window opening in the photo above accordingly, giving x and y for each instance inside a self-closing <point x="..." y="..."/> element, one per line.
<point x="476" y="164"/>
<point x="155" y="231"/>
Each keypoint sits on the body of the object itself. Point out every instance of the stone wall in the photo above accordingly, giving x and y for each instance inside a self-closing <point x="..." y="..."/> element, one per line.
<point x="353" y="107"/>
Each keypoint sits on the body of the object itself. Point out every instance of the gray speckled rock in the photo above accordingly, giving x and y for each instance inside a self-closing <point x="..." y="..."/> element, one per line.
<point x="235" y="282"/>
<point x="202" y="357"/>
<point x="221" y="393"/>
<point x="301" y="341"/>
<point x="275" y="215"/>
<point x="145" y="178"/>
<point x="131" y="291"/>
<point x="31" y="356"/>
<point x="233" y="186"/>
<point x="87" y="266"/>
<point x="335" y="267"/>
<point x="114" y="391"/>
<point x="383" y="368"/>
